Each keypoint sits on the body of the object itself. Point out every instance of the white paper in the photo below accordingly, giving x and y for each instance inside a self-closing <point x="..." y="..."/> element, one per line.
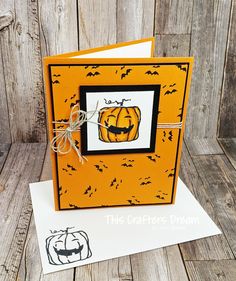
<point x="139" y="50"/>
<point x="119" y="231"/>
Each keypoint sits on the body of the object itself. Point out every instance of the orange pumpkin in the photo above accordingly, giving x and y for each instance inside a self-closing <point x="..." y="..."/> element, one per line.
<point x="122" y="124"/>
<point x="68" y="247"/>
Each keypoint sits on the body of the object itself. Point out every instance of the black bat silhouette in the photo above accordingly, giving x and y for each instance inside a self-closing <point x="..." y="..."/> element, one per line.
<point x="145" y="183"/>
<point x="98" y="168"/>
<point x="112" y="183"/>
<point x="172" y="85"/>
<point x="127" y="165"/>
<point x="73" y="96"/>
<point x="55" y="82"/>
<point x="87" y="190"/>
<point x="131" y="203"/>
<point x="170" y="92"/>
<point x="126" y="73"/>
<point x="62" y="120"/>
<point x="151" y="158"/>
<point x="60" y="126"/>
<point x="149" y="72"/>
<point x="56" y="75"/>
<point x="74" y="206"/>
<point x="74" y="103"/>
<point x="91" y="74"/>
<point x="181" y="68"/>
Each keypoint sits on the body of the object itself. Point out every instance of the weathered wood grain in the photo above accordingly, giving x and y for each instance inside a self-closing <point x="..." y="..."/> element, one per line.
<point x="135" y="19"/>
<point x="6" y="19"/>
<point x="4" y="149"/>
<point x="170" y="45"/>
<point x="114" y="269"/>
<point x="173" y="16"/>
<point x="209" y="248"/>
<point x="229" y="148"/>
<point x="58" y="26"/>
<point x="219" y="179"/>
<point x="208" y="46"/>
<point x="97" y="23"/>
<point x="30" y="268"/>
<point x="21" y="66"/>
<point x="227" y="114"/>
<point x="224" y="270"/>
<point x="163" y="264"/>
<point x="203" y="146"/>
<point x="23" y="165"/>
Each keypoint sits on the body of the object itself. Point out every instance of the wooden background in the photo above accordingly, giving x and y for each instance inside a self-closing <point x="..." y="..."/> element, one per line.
<point x="205" y="29"/>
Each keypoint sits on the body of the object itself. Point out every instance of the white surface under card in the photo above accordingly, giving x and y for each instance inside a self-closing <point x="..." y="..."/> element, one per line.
<point x="77" y="237"/>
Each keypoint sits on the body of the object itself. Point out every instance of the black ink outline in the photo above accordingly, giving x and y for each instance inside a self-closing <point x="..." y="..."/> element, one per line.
<point x="84" y="90"/>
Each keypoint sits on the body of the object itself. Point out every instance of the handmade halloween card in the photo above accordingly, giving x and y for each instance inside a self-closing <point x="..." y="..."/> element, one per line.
<point x="116" y="119"/>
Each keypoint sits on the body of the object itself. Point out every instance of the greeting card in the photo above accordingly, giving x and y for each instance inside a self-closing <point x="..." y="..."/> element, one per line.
<point x="116" y="119"/>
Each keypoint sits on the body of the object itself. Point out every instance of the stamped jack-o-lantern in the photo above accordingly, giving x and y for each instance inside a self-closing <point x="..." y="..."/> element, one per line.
<point x="120" y="124"/>
<point x="67" y="247"/>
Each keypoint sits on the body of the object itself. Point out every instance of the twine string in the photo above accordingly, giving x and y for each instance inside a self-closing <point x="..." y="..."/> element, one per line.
<point x="78" y="117"/>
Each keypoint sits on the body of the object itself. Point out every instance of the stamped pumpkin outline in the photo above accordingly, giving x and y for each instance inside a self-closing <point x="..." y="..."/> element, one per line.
<point x="67" y="255"/>
<point x="84" y="90"/>
<point x="118" y="133"/>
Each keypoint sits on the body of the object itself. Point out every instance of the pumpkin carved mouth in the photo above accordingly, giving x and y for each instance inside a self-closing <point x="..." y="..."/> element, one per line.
<point x="65" y="252"/>
<point x="118" y="130"/>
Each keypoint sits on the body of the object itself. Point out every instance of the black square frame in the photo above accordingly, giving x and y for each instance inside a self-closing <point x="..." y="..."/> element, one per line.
<point x="84" y="90"/>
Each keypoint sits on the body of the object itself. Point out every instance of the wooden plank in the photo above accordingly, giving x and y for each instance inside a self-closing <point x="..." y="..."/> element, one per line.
<point x="23" y="165"/>
<point x="58" y="26"/>
<point x="227" y="116"/>
<point x="173" y="16"/>
<point x="210" y="248"/>
<point x="5" y="132"/>
<point x="219" y="179"/>
<point x="164" y="264"/>
<point x="4" y="148"/>
<point x="21" y="63"/>
<point x="135" y="19"/>
<point x="113" y="269"/>
<point x="203" y="146"/>
<point x="229" y="147"/>
<point x="208" y="46"/>
<point x="97" y="23"/>
<point x="170" y="45"/>
<point x="30" y="266"/>
<point x="211" y="270"/>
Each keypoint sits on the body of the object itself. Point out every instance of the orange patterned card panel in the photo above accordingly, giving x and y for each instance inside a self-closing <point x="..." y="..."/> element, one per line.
<point x="134" y="160"/>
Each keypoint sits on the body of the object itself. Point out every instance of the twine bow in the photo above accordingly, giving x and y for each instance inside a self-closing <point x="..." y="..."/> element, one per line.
<point x="77" y="118"/>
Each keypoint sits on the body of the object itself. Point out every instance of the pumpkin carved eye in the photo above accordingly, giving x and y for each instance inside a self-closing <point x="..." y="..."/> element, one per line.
<point x="121" y="124"/>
